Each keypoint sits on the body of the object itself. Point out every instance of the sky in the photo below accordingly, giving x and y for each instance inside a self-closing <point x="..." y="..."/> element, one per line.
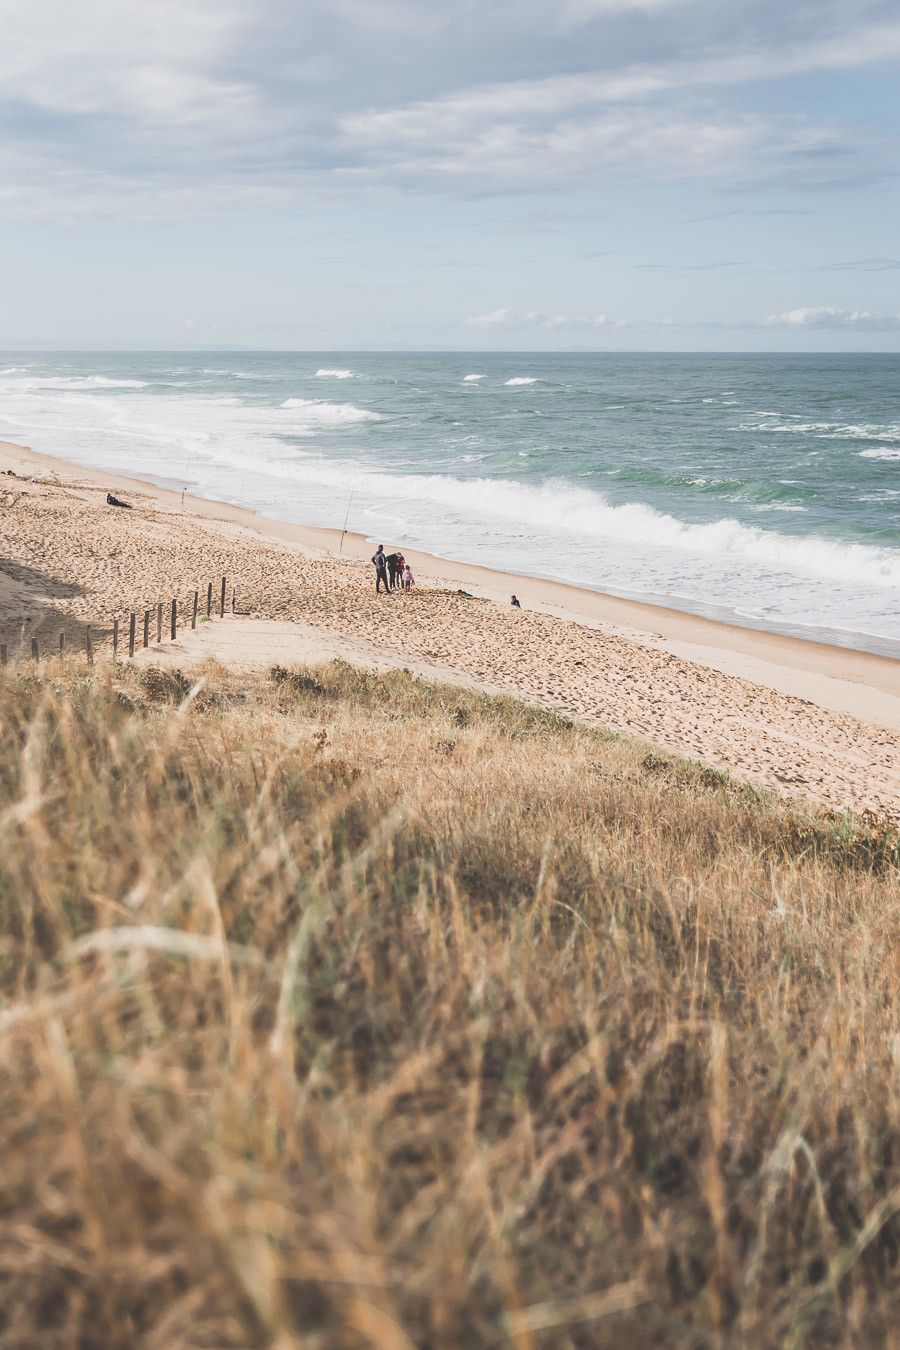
<point x="392" y="174"/>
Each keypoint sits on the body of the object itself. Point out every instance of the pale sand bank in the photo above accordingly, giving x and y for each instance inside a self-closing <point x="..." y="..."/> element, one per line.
<point x="816" y="720"/>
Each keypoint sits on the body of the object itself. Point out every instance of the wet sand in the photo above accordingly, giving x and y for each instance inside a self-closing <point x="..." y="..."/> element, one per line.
<point x="814" y="720"/>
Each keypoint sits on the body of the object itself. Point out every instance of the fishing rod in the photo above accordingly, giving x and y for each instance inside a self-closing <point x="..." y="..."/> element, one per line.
<point x="346" y="518"/>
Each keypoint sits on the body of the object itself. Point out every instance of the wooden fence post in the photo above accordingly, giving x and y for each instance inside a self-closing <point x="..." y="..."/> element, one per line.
<point x="90" y="646"/>
<point x="174" y="618"/>
<point x="159" y="622"/>
<point x="34" y="649"/>
<point x="2" y="653"/>
<point x="194" y="615"/>
<point x="131" y="623"/>
<point x="222" y="600"/>
<point x="146" y="628"/>
<point x="62" y="645"/>
<point x="209" y="601"/>
<point x="115" y="638"/>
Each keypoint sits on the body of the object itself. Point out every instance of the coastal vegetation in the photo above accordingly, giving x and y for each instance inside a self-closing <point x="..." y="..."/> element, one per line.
<point x="351" y="1010"/>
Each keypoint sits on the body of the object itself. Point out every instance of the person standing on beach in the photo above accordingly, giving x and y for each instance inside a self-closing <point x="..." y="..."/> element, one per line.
<point x="408" y="579"/>
<point x="381" y="572"/>
<point x="394" y="561"/>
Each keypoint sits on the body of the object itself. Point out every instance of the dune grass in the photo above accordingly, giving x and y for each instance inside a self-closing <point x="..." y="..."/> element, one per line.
<point x="342" y="1010"/>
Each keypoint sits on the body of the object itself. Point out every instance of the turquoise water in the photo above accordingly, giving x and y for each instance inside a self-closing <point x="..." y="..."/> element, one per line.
<point x="761" y="489"/>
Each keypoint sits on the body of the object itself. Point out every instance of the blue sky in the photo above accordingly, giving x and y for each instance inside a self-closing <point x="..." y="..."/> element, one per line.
<point x="600" y="174"/>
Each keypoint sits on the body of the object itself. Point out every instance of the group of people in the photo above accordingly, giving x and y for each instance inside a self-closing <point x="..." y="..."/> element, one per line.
<point x="392" y="571"/>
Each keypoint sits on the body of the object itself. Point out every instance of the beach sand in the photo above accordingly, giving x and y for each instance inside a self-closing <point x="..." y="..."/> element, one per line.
<point x="815" y="721"/>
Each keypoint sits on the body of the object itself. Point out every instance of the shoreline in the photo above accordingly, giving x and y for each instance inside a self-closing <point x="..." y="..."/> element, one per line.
<point x="817" y="722"/>
<point x="787" y="663"/>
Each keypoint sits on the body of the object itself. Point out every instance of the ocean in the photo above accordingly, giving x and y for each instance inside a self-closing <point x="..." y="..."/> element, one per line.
<point x="762" y="490"/>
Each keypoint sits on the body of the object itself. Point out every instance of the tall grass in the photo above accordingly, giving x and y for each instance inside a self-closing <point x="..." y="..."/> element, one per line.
<point x="346" y="1011"/>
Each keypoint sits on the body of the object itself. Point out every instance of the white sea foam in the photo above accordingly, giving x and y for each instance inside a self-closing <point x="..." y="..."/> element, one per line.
<point x="560" y="509"/>
<point x="326" y="374"/>
<point x="880" y="452"/>
<point x="826" y="431"/>
<point x="522" y="379"/>
<point x="38" y="382"/>
<point x="316" y="412"/>
<point x="469" y="379"/>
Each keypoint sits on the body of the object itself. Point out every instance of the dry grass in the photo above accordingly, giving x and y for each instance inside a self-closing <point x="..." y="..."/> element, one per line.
<point x="343" y="1011"/>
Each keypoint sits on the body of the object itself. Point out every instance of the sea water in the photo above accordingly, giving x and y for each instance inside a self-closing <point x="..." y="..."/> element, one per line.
<point x="764" y="490"/>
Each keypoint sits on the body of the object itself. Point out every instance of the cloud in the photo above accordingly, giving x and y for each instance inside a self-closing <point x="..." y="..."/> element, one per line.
<point x="511" y="319"/>
<point x="158" y="104"/>
<point x="863" y="265"/>
<point x="741" y="211"/>
<point x="832" y="316"/>
<point x="650" y="120"/>
<point x="690" y="267"/>
<point x="431" y="148"/>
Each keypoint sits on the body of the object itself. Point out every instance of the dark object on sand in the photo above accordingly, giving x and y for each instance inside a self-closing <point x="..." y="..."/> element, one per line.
<point x="114" y="501"/>
<point x="467" y="594"/>
<point x="514" y="601"/>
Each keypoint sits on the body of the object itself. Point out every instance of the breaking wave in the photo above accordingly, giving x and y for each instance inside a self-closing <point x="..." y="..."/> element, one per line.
<point x="317" y="413"/>
<point x="880" y="452"/>
<point x="823" y="431"/>
<point x="75" y="382"/>
<point x="558" y="508"/>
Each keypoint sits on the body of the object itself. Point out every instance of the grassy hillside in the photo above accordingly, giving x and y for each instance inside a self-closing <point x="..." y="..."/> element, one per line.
<point x="345" y="1011"/>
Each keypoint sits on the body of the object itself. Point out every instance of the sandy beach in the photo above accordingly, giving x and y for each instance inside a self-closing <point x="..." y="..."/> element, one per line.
<point x="815" y="721"/>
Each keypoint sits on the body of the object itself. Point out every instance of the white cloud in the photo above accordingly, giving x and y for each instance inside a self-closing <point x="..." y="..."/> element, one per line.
<point x="165" y="99"/>
<point x="630" y="143"/>
<point x="831" y="316"/>
<point x="507" y="318"/>
<point x="626" y="121"/>
<point x="495" y="318"/>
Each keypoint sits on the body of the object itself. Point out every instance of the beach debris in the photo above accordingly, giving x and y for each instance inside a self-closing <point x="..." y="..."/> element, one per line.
<point x="114" y="501"/>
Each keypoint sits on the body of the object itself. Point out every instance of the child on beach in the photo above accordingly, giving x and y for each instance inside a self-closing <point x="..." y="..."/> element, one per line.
<point x="408" y="579"/>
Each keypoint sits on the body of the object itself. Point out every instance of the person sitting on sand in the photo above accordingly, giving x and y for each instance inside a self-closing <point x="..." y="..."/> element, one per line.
<point x="514" y="601"/>
<point x="379" y="562"/>
<point x="408" y="579"/>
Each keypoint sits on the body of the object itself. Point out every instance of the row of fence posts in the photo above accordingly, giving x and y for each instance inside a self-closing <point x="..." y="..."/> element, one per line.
<point x="169" y="612"/>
